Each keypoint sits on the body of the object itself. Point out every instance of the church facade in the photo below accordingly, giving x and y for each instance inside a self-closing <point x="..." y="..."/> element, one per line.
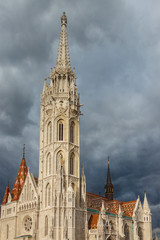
<point x="55" y="205"/>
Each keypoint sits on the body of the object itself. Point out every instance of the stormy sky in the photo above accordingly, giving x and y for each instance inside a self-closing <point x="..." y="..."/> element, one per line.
<point x="115" y="48"/>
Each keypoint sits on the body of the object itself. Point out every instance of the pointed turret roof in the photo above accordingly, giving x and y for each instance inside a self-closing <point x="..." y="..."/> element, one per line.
<point x="20" y="179"/>
<point x="45" y="85"/>
<point x="109" y="185"/>
<point x="109" y="181"/>
<point x="6" y="195"/>
<point x="145" y="204"/>
<point x="63" y="59"/>
<point x="155" y="236"/>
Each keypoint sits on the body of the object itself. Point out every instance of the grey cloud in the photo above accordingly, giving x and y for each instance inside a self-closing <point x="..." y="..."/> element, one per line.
<point x="114" y="46"/>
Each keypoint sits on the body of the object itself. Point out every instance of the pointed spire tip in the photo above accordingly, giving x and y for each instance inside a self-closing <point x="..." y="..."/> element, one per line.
<point x="23" y="150"/>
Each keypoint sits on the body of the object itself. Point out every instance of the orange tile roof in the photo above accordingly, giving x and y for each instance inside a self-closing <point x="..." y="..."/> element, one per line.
<point x="7" y="192"/>
<point x="94" y="202"/>
<point x="93" y="221"/>
<point x="20" y="179"/>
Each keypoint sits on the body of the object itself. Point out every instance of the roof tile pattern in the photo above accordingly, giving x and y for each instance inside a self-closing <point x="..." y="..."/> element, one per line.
<point x="94" y="202"/>
<point x="7" y="192"/>
<point x="20" y="179"/>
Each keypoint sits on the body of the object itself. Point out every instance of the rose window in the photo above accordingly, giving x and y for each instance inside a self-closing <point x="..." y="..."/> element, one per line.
<point x="28" y="224"/>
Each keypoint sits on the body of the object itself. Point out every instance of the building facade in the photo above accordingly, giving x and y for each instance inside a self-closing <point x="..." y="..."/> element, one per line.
<point x="55" y="205"/>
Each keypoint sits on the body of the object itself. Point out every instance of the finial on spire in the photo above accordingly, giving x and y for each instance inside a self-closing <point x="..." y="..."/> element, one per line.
<point x="64" y="20"/>
<point x="108" y="160"/>
<point x="23" y="150"/>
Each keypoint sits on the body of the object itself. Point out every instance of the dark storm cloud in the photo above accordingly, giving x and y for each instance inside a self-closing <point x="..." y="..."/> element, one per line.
<point x="115" y="48"/>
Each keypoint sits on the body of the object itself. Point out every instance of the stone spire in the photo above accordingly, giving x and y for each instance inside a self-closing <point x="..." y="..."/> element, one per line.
<point x="109" y="185"/>
<point x="155" y="236"/>
<point x="63" y="60"/>
<point x="145" y="204"/>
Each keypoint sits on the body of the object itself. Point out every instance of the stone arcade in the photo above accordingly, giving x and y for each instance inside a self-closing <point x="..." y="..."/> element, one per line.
<point x="55" y="205"/>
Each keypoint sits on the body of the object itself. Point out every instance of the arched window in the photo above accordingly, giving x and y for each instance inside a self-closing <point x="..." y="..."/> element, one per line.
<point x="48" y="195"/>
<point x="49" y="133"/>
<point x="126" y="231"/>
<point x="72" y="164"/>
<point x="7" y="231"/>
<point x="140" y="233"/>
<point x="48" y="164"/>
<point x="72" y="132"/>
<point x="46" y="226"/>
<point x="60" y="131"/>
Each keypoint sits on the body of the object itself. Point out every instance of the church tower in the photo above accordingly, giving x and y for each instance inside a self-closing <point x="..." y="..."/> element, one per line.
<point x="62" y="190"/>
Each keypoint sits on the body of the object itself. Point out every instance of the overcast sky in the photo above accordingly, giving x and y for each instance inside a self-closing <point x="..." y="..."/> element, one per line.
<point x="115" y="48"/>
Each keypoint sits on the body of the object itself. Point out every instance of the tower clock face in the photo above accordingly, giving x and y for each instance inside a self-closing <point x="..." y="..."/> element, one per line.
<point x="28" y="224"/>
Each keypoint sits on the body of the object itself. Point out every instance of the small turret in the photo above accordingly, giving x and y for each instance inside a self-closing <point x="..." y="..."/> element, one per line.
<point x="145" y="204"/>
<point x="6" y="195"/>
<point x="45" y="85"/>
<point x="147" y="222"/>
<point x="155" y="236"/>
<point x="109" y="185"/>
<point x="83" y="185"/>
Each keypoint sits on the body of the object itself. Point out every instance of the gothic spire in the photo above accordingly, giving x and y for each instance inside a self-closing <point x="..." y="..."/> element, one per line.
<point x="109" y="185"/>
<point x="20" y="179"/>
<point x="63" y="60"/>
<point x="109" y="181"/>
<point x="145" y="204"/>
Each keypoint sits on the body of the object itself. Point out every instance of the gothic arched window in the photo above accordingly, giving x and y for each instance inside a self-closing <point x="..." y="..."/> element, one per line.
<point x="72" y="164"/>
<point x="60" y="130"/>
<point x="48" y="195"/>
<point x="49" y="133"/>
<point x="48" y="164"/>
<point x="126" y="231"/>
<point x="140" y="233"/>
<point x="46" y="226"/>
<point x="72" y="132"/>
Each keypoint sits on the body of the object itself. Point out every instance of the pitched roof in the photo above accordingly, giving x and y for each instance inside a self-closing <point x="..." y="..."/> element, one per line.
<point x="6" y="195"/>
<point x="94" y="202"/>
<point x="20" y="179"/>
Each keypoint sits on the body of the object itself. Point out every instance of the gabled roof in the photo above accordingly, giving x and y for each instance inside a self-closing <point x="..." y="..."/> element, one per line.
<point x="6" y="195"/>
<point x="20" y="179"/>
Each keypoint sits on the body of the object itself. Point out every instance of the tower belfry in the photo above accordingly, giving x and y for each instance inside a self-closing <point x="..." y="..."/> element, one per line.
<point x="62" y="190"/>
